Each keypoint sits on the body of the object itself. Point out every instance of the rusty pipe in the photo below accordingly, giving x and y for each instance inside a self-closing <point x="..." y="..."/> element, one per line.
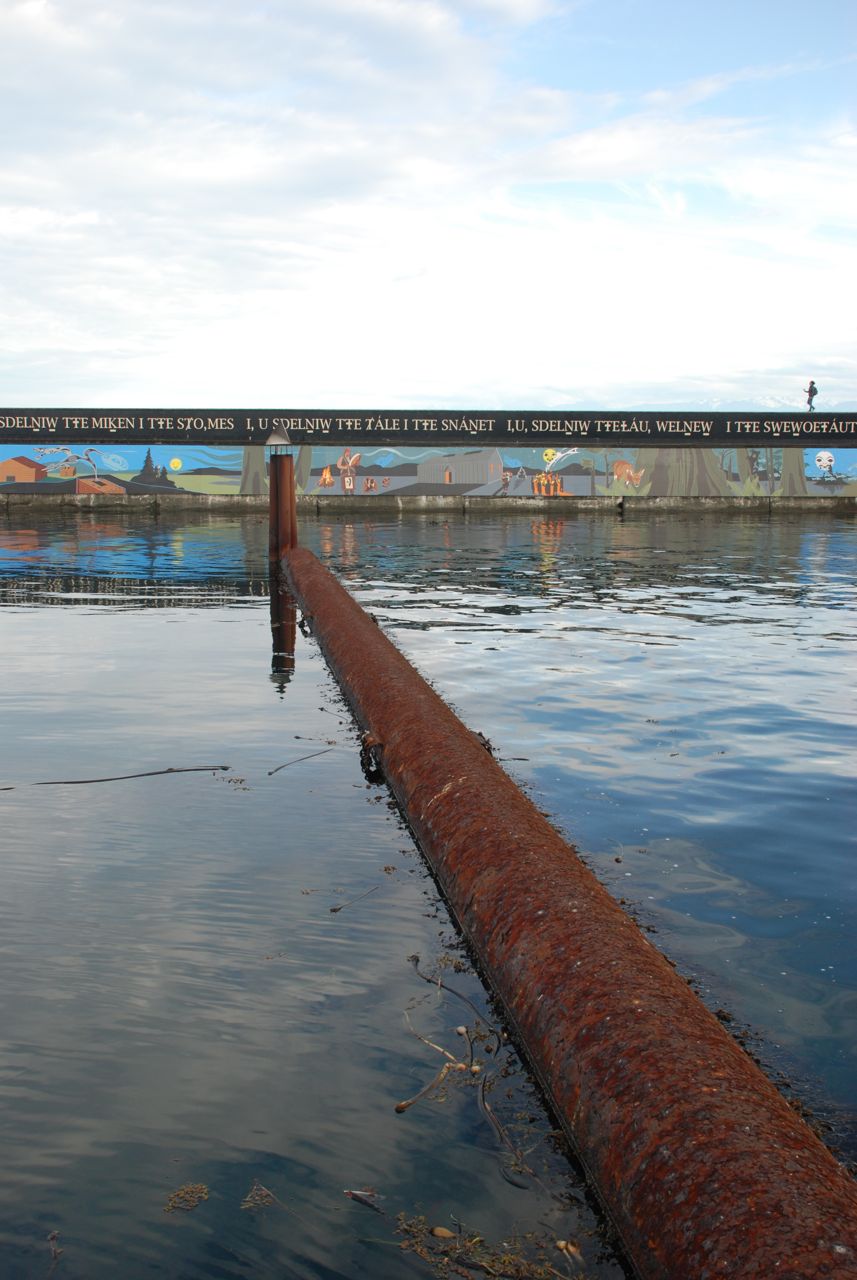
<point x="702" y="1166"/>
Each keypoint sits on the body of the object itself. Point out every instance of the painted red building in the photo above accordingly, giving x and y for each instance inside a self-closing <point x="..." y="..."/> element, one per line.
<point x="21" y="470"/>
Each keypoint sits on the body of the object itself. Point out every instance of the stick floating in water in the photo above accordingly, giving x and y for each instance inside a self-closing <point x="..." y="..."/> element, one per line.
<point x="122" y="777"/>
<point x="311" y="756"/>
<point x="333" y="910"/>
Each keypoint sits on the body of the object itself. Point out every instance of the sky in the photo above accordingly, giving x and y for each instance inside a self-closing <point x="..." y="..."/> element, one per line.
<point x="428" y="203"/>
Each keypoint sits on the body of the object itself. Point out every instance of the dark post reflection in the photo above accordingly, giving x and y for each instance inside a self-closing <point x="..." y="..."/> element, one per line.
<point x="284" y="621"/>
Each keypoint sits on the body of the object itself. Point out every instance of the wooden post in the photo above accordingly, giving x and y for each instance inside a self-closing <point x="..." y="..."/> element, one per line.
<point x="273" y="532"/>
<point x="293" y="501"/>
<point x="284" y="507"/>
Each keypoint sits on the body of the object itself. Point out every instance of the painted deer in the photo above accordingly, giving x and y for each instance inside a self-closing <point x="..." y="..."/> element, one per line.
<point x="623" y="472"/>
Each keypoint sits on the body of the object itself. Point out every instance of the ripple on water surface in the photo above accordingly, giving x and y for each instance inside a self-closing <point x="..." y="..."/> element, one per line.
<point x="206" y="971"/>
<point x="668" y="682"/>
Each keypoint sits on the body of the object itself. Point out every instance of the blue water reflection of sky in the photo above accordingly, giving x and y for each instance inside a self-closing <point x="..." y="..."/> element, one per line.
<point x="673" y="689"/>
<point x="205" y="971"/>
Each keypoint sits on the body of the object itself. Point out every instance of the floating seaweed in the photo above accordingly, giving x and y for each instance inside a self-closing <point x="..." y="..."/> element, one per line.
<point x="258" y="1197"/>
<point x="187" y="1197"/>
<point x="460" y="1253"/>
<point x="368" y="1196"/>
<point x="432" y="1085"/>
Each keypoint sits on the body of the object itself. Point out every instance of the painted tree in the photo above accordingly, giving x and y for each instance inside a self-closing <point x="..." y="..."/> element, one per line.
<point x="793" y="479"/>
<point x="254" y="471"/>
<point x="683" y="473"/>
<point x="303" y="468"/>
<point x="746" y="475"/>
<point x="148" y="472"/>
<point x="254" y="479"/>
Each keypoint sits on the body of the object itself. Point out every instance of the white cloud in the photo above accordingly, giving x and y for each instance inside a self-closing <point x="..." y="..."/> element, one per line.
<point x="707" y="87"/>
<point x="521" y="11"/>
<point x="642" y="146"/>
<point x="39" y="20"/>
<point x="361" y="203"/>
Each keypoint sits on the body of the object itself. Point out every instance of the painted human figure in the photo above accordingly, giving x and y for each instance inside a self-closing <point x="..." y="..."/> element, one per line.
<point x="347" y="464"/>
<point x="811" y="393"/>
<point x="825" y="461"/>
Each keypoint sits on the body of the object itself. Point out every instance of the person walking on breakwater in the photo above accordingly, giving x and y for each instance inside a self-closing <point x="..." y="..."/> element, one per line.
<point x="811" y="393"/>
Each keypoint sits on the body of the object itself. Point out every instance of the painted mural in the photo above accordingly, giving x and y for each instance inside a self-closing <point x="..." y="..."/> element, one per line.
<point x="496" y="471"/>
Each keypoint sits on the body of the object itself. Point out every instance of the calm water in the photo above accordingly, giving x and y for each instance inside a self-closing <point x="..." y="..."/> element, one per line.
<point x="677" y="691"/>
<point x="183" y="1005"/>
<point x="206" y="975"/>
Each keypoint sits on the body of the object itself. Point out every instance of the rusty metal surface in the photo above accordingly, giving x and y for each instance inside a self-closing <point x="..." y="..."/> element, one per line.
<point x="703" y="1167"/>
<point x="273" y="512"/>
<point x="282" y="507"/>
<point x="293" y="502"/>
<point x="284" y="503"/>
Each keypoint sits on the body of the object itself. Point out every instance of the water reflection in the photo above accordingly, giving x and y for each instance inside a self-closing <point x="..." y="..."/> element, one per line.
<point x="184" y="558"/>
<point x="205" y="970"/>
<point x="284" y="622"/>
<point x="626" y="562"/>
<point x="677" y="681"/>
<point x="668" y="681"/>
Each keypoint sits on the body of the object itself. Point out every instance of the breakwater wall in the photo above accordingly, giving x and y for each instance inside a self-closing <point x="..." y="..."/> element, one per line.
<point x="310" y="504"/>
